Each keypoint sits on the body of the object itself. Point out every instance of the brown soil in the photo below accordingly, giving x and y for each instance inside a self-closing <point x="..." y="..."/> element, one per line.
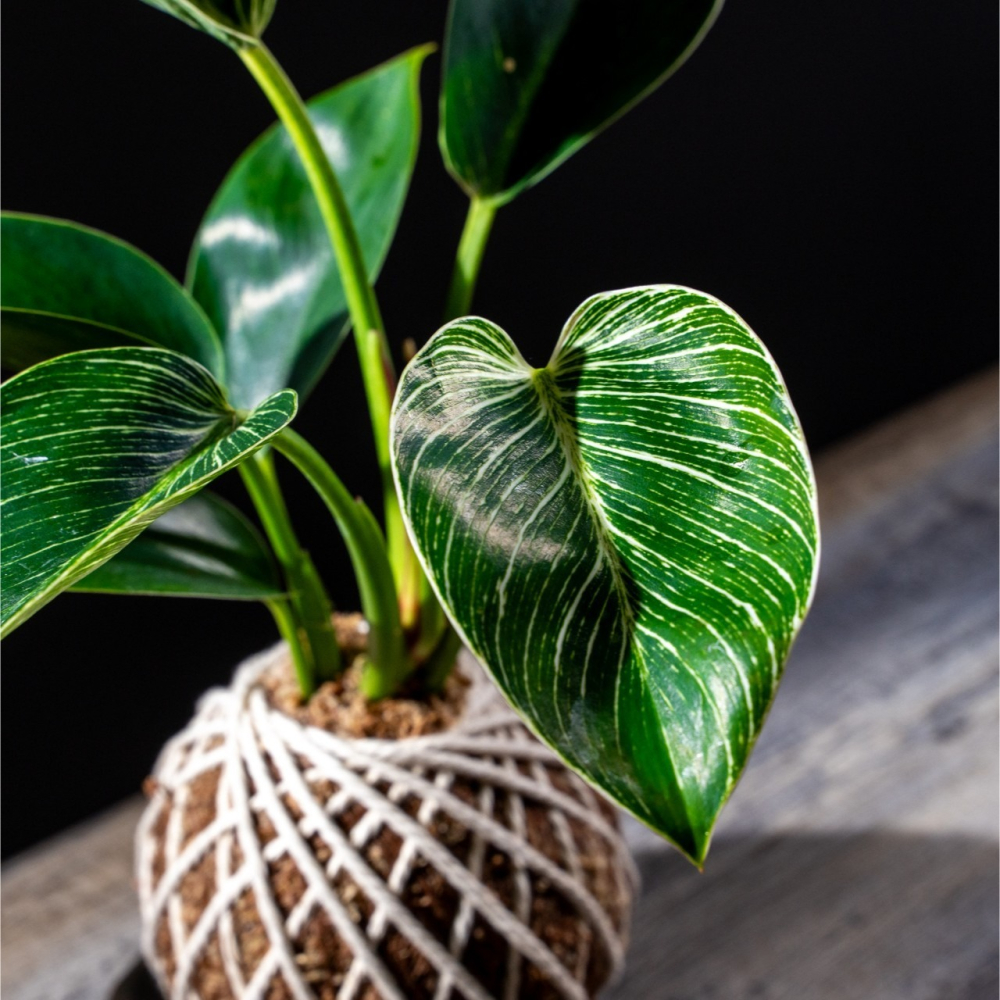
<point x="340" y="707"/>
<point x="323" y="956"/>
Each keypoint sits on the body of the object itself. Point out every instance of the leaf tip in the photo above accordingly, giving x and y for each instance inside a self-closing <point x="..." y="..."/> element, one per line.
<point x="693" y="843"/>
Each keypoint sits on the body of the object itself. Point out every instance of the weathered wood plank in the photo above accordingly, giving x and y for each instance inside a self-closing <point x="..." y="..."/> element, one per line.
<point x="70" y="922"/>
<point x="858" y="858"/>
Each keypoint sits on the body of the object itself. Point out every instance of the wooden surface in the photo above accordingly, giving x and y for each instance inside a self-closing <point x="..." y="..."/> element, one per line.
<point x="858" y="857"/>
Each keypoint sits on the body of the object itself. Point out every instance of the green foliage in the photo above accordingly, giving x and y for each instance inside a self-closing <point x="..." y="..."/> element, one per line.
<point x="202" y="548"/>
<point x="96" y="445"/>
<point x="238" y="23"/>
<point x="262" y="265"/>
<point x="66" y="288"/>
<point x="626" y="538"/>
<point x="527" y="83"/>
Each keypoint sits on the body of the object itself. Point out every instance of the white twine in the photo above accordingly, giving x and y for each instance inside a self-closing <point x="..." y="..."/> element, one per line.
<point x="262" y="756"/>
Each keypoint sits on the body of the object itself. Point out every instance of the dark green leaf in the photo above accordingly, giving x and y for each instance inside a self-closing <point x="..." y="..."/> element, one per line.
<point x="626" y="538"/>
<point x="66" y="288"/>
<point x="95" y="446"/>
<point x="238" y="23"/>
<point x="202" y="548"/>
<point x="526" y="83"/>
<point x="262" y="265"/>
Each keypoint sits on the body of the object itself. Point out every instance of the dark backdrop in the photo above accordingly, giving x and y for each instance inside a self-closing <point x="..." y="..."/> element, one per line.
<point x="826" y="168"/>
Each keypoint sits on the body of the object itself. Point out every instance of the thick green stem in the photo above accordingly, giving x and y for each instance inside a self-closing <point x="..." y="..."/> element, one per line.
<point x="469" y="258"/>
<point x="373" y="350"/>
<point x="367" y="549"/>
<point x="308" y="604"/>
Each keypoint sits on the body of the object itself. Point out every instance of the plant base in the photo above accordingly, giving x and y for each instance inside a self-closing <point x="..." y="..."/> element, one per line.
<point x="280" y="859"/>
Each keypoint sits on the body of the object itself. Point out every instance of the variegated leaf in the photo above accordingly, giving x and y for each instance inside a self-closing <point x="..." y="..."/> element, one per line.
<point x="237" y="23"/>
<point x="96" y="445"/>
<point x="203" y="547"/>
<point x="626" y="538"/>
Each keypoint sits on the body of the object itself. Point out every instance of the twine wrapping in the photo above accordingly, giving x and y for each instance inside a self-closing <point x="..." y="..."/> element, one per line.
<point x="265" y="760"/>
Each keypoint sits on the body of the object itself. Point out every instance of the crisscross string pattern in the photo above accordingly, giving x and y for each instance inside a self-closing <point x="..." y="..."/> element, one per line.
<point x="299" y="799"/>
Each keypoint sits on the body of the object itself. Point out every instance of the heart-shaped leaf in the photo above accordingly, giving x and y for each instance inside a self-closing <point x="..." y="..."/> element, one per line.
<point x="96" y="445"/>
<point x="262" y="265"/>
<point x="204" y="547"/>
<point x="626" y="538"/>
<point x="526" y="83"/>
<point x="67" y="288"/>
<point x="238" y="23"/>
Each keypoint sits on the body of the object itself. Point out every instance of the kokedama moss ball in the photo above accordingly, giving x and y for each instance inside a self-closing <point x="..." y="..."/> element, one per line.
<point x="410" y="849"/>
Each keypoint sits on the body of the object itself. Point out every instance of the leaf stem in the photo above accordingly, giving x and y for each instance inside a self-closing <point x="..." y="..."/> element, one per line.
<point x="366" y="546"/>
<point x="373" y="351"/>
<point x="309" y="605"/>
<point x="288" y="629"/>
<point x="439" y="665"/>
<point x="469" y="257"/>
<point x="436" y="634"/>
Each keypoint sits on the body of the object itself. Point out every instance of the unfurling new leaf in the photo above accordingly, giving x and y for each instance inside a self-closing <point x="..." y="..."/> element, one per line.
<point x="238" y="23"/>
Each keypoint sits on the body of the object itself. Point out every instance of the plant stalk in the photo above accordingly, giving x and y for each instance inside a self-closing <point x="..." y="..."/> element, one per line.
<point x="315" y="642"/>
<point x="469" y="258"/>
<point x="373" y="350"/>
<point x="439" y="665"/>
<point x="284" y="618"/>
<point x="437" y="644"/>
<point x="366" y="546"/>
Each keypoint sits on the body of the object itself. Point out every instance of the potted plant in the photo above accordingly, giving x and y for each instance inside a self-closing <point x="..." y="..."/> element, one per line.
<point x="626" y="539"/>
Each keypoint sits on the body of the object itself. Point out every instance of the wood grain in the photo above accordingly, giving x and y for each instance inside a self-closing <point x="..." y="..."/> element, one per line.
<point x="858" y="857"/>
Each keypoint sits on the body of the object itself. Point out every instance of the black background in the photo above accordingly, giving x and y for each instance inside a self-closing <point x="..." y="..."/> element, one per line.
<point x="826" y="168"/>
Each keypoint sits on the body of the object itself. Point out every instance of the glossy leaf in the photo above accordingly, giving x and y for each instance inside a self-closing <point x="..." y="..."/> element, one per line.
<point x="202" y="548"/>
<point x="626" y="538"/>
<point x="95" y="446"/>
<point x="238" y="23"/>
<point x="262" y="265"/>
<point x="66" y="288"/>
<point x="526" y="83"/>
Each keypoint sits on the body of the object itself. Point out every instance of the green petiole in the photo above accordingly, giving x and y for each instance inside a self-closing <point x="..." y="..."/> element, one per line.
<point x="413" y="603"/>
<point x="284" y="618"/>
<point x="469" y="258"/>
<point x="315" y="653"/>
<point x="366" y="546"/>
<point x="377" y="370"/>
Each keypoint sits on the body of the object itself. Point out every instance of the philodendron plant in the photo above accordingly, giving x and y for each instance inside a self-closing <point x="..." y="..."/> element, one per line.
<point x="626" y="538"/>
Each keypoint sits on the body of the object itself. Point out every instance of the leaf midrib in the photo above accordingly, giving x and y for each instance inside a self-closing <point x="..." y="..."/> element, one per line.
<point x="550" y="397"/>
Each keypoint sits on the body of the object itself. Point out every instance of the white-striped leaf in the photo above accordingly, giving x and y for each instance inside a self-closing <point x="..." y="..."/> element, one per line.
<point x="626" y="538"/>
<point x="237" y="23"/>
<point x="203" y="547"/>
<point x="96" y="445"/>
